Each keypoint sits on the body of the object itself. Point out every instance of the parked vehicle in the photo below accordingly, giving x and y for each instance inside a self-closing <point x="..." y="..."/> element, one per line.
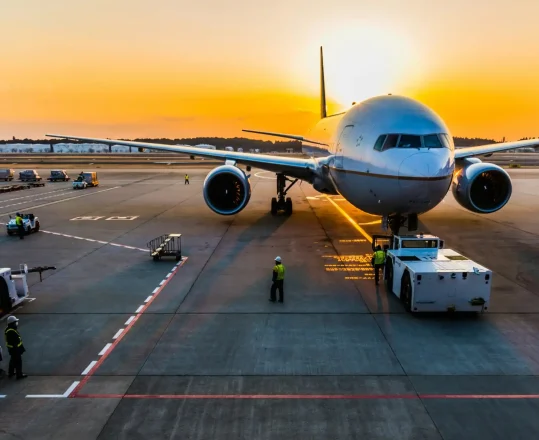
<point x="58" y="175"/>
<point x="86" y="179"/>
<point x="29" y="176"/>
<point x="7" y="174"/>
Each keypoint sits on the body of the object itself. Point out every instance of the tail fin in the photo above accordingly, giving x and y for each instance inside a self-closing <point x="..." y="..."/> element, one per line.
<point x="323" y="109"/>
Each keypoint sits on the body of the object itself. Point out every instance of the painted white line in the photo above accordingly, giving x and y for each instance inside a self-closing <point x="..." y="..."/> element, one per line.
<point x="102" y="242"/>
<point x="78" y="238"/>
<point x="35" y="195"/>
<point x="44" y="396"/>
<point x="139" y="309"/>
<point x="105" y="348"/>
<point x="61" y="201"/>
<point x="162" y="282"/>
<point x="88" y="368"/>
<point x="90" y="239"/>
<point x="155" y="290"/>
<point x="2" y="396"/>
<point x="116" y="244"/>
<point x="71" y="388"/>
<point x="129" y="320"/>
<point x="168" y="275"/>
<point x="129" y="247"/>
<point x="118" y="333"/>
<point x="26" y="201"/>
<point x="148" y="299"/>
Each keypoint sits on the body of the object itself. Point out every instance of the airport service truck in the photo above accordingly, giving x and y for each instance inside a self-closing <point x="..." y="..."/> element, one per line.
<point x="429" y="278"/>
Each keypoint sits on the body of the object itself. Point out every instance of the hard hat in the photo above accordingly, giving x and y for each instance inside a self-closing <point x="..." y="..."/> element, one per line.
<point x="278" y="259"/>
<point x="18" y="214"/>
<point x="11" y="319"/>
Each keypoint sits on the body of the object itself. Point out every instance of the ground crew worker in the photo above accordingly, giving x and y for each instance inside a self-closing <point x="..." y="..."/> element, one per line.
<point x="278" y="280"/>
<point x="20" y="225"/>
<point x="186" y="179"/>
<point x="378" y="261"/>
<point x="15" y="348"/>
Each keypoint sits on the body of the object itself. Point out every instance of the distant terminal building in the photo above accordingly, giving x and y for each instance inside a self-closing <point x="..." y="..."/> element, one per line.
<point x="207" y="146"/>
<point x="229" y="148"/>
<point x="240" y="150"/>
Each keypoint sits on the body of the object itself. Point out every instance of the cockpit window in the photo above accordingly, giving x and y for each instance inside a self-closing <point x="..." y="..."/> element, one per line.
<point x="410" y="141"/>
<point x="446" y="141"/>
<point x="380" y="142"/>
<point x="432" y="141"/>
<point x="391" y="141"/>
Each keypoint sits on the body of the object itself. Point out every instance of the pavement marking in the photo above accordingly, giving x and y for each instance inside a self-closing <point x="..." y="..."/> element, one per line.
<point x="264" y="177"/>
<point x="94" y="241"/>
<point x="44" y="396"/>
<point x="71" y="388"/>
<point x="2" y="396"/>
<point x="351" y="220"/>
<point x="94" y="365"/>
<point x="155" y="290"/>
<point x="169" y="274"/>
<point x="88" y="368"/>
<point x="311" y="396"/>
<point x="26" y="201"/>
<point x="148" y="299"/>
<point x="104" y="350"/>
<point x="63" y="200"/>
<point x="34" y="195"/>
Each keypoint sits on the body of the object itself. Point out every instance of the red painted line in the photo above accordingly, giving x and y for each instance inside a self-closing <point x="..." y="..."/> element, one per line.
<point x="122" y="335"/>
<point x="307" y="396"/>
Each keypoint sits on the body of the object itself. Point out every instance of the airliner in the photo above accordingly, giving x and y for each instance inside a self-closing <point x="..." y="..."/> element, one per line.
<point x="389" y="155"/>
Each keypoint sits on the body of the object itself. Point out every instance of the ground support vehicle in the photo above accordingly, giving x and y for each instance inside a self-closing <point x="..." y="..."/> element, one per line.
<point x="29" y="176"/>
<point x="58" y="175"/>
<point x="7" y="174"/>
<point x="85" y="180"/>
<point x="30" y="223"/>
<point x="428" y="278"/>
<point x="14" y="287"/>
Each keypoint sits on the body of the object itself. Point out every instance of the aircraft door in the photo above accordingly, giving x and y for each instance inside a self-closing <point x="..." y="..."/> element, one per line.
<point x="344" y="141"/>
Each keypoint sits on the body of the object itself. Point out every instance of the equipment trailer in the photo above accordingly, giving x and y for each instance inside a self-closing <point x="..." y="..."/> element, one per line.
<point x="428" y="278"/>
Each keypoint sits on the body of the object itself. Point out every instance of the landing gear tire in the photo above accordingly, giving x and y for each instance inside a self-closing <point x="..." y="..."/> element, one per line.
<point x="274" y="206"/>
<point x="36" y="229"/>
<point x="288" y="206"/>
<point x="406" y="292"/>
<point x="5" y="300"/>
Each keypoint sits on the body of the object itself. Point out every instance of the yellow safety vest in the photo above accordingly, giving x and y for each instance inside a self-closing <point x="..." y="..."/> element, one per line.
<point x="279" y="268"/>
<point x="18" y="220"/>
<point x="17" y="333"/>
<point x="379" y="257"/>
<point x="186" y="177"/>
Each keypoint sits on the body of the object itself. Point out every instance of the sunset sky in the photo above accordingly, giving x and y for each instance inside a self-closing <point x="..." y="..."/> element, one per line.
<point x="172" y="68"/>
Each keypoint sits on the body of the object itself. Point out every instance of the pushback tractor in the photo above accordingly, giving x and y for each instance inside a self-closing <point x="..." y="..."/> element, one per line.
<point x="429" y="278"/>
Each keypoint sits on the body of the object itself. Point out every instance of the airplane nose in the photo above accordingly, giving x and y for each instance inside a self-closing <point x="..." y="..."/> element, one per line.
<point x="424" y="165"/>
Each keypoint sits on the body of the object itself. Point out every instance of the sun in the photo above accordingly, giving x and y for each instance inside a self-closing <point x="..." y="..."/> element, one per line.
<point x="362" y="61"/>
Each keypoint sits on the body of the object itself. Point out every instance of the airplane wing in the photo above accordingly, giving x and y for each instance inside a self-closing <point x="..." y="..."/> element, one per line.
<point x="462" y="153"/>
<point x="293" y="167"/>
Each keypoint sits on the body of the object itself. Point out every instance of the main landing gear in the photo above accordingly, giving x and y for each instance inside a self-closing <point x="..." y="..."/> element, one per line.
<point x="394" y="222"/>
<point x="280" y="203"/>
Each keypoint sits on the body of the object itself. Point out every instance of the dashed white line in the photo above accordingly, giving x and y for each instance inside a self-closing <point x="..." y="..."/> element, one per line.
<point x="129" y="320"/>
<point x="148" y="299"/>
<point x="71" y="388"/>
<point x="139" y="309"/>
<point x="116" y="244"/>
<point x="155" y="290"/>
<point x="162" y="282"/>
<point x="105" y="348"/>
<point x="118" y="333"/>
<point x="35" y="195"/>
<point x="44" y="396"/>
<point x="27" y="208"/>
<point x="168" y="275"/>
<point x="88" y="368"/>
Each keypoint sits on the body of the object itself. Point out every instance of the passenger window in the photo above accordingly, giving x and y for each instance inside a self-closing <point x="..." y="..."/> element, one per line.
<point x="432" y="141"/>
<point x="391" y="141"/>
<point x="380" y="142"/>
<point x="410" y="141"/>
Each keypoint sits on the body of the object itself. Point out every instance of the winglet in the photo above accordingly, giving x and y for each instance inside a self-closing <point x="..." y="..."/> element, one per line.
<point x="323" y="109"/>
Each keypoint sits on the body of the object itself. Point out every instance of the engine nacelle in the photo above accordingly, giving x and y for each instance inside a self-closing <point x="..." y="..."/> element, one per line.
<point x="481" y="187"/>
<point x="227" y="190"/>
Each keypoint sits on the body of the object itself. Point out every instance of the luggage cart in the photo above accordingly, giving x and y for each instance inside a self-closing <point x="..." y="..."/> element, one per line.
<point x="168" y="245"/>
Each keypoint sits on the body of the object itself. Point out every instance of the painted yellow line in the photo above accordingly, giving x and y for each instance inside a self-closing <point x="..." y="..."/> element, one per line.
<point x="351" y="220"/>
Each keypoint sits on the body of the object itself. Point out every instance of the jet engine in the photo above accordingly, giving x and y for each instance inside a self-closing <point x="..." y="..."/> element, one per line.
<point x="227" y="190"/>
<point x="481" y="187"/>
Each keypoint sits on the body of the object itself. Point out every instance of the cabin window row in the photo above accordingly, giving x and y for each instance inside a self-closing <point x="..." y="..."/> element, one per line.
<point x="388" y="141"/>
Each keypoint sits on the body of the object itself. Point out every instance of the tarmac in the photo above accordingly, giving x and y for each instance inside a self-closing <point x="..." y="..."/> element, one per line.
<point x="119" y="346"/>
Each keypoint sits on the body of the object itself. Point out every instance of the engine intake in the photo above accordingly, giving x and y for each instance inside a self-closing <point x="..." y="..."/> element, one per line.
<point x="482" y="187"/>
<point x="227" y="190"/>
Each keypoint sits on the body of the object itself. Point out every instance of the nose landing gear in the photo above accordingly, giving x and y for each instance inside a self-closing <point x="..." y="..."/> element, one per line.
<point x="394" y="222"/>
<point x="280" y="203"/>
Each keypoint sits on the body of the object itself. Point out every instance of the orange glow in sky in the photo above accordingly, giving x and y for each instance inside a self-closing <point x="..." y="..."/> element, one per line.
<point x="140" y="68"/>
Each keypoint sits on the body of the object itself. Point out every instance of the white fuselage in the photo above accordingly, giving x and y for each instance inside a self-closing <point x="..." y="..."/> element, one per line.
<point x="406" y="175"/>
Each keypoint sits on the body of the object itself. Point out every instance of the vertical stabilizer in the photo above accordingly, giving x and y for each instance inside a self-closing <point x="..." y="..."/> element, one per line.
<point x="323" y="110"/>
